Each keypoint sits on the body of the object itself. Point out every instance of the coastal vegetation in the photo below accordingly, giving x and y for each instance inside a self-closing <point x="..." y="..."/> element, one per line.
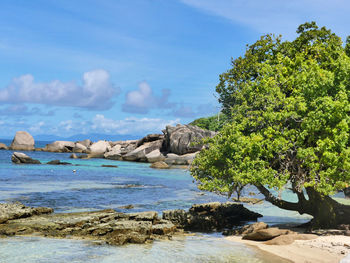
<point x="212" y="123"/>
<point x="287" y="105"/>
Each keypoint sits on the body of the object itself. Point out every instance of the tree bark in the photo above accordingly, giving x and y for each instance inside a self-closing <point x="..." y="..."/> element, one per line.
<point x="326" y="212"/>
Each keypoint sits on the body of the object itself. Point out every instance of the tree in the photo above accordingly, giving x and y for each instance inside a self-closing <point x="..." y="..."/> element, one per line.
<point x="213" y="123"/>
<point x="288" y="103"/>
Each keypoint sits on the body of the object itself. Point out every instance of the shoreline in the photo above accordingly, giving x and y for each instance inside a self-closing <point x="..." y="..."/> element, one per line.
<point x="323" y="249"/>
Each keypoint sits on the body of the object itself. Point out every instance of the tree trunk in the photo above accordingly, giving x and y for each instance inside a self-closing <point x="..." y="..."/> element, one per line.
<point x="326" y="212"/>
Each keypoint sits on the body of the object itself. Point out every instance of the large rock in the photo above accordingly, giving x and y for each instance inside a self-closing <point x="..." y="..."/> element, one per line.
<point x="3" y="146"/>
<point x="22" y="141"/>
<point x="150" y="138"/>
<point x="79" y="148"/>
<point x="155" y="156"/>
<point x="139" y="154"/>
<point x="115" y="153"/>
<point x="184" y="139"/>
<point x="20" y="158"/>
<point x="174" y="159"/>
<point x="210" y="216"/>
<point x="60" y="146"/>
<point x="247" y="229"/>
<point x="86" y="142"/>
<point x="267" y="234"/>
<point x="99" y="148"/>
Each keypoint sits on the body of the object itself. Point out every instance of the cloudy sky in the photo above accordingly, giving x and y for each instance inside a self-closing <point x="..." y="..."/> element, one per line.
<point x="131" y="67"/>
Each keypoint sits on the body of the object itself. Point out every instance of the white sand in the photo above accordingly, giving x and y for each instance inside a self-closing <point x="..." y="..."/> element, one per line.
<point x="324" y="249"/>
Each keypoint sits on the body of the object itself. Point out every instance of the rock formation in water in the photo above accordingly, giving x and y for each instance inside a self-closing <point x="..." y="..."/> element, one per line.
<point x="176" y="146"/>
<point x="117" y="228"/>
<point x="3" y="146"/>
<point x="21" y="158"/>
<point x="22" y="141"/>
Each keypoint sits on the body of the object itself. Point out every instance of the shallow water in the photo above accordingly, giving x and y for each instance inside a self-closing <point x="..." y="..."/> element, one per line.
<point x="94" y="187"/>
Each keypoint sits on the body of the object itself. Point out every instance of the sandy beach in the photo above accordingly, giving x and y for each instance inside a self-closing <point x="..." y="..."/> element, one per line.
<point x="324" y="249"/>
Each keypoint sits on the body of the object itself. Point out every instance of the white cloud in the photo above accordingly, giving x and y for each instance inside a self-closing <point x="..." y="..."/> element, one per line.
<point x="279" y="16"/>
<point x="96" y="92"/>
<point x="143" y="99"/>
<point x="130" y="125"/>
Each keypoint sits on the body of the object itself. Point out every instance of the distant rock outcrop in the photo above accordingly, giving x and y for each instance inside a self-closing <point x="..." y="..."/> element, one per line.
<point x="183" y="139"/>
<point x="60" y="146"/>
<point x="139" y="154"/>
<point x="98" y="149"/>
<point x="22" y="141"/>
<point x="177" y="146"/>
<point x="20" y="158"/>
<point x="3" y="146"/>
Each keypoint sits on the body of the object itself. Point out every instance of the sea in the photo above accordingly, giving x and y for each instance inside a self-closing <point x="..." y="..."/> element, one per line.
<point x="86" y="186"/>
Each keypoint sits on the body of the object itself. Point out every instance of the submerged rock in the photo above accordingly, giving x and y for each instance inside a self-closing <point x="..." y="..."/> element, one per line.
<point x="22" y="141"/>
<point x="20" y="158"/>
<point x="210" y="216"/>
<point x="160" y="165"/>
<point x="58" y="162"/>
<point x="109" y="165"/>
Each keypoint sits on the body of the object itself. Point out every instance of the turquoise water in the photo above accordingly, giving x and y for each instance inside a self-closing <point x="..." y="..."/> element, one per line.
<point x="94" y="187"/>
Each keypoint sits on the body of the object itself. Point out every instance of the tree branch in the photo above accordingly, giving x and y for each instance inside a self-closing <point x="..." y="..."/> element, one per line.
<point x="278" y="202"/>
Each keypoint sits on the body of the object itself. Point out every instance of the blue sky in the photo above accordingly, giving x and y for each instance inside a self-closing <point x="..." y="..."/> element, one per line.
<point x="131" y="67"/>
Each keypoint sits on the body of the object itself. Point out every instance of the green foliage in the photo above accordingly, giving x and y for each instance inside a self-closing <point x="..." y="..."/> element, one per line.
<point x="289" y="125"/>
<point x="213" y="123"/>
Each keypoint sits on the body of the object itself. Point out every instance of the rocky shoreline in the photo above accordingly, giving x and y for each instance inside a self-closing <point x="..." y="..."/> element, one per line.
<point x="176" y="146"/>
<point x="115" y="228"/>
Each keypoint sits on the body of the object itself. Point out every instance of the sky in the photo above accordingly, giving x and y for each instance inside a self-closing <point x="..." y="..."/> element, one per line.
<point x="131" y="67"/>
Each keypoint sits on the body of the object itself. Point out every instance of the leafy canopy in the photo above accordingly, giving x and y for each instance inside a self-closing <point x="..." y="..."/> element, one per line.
<point x="212" y="123"/>
<point x="288" y="103"/>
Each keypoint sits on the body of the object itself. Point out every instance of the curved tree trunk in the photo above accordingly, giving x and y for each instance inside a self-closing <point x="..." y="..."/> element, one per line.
<point x="326" y="212"/>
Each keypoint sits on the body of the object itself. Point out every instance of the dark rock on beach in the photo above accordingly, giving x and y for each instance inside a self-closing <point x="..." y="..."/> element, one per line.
<point x="210" y="216"/>
<point x="21" y="158"/>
